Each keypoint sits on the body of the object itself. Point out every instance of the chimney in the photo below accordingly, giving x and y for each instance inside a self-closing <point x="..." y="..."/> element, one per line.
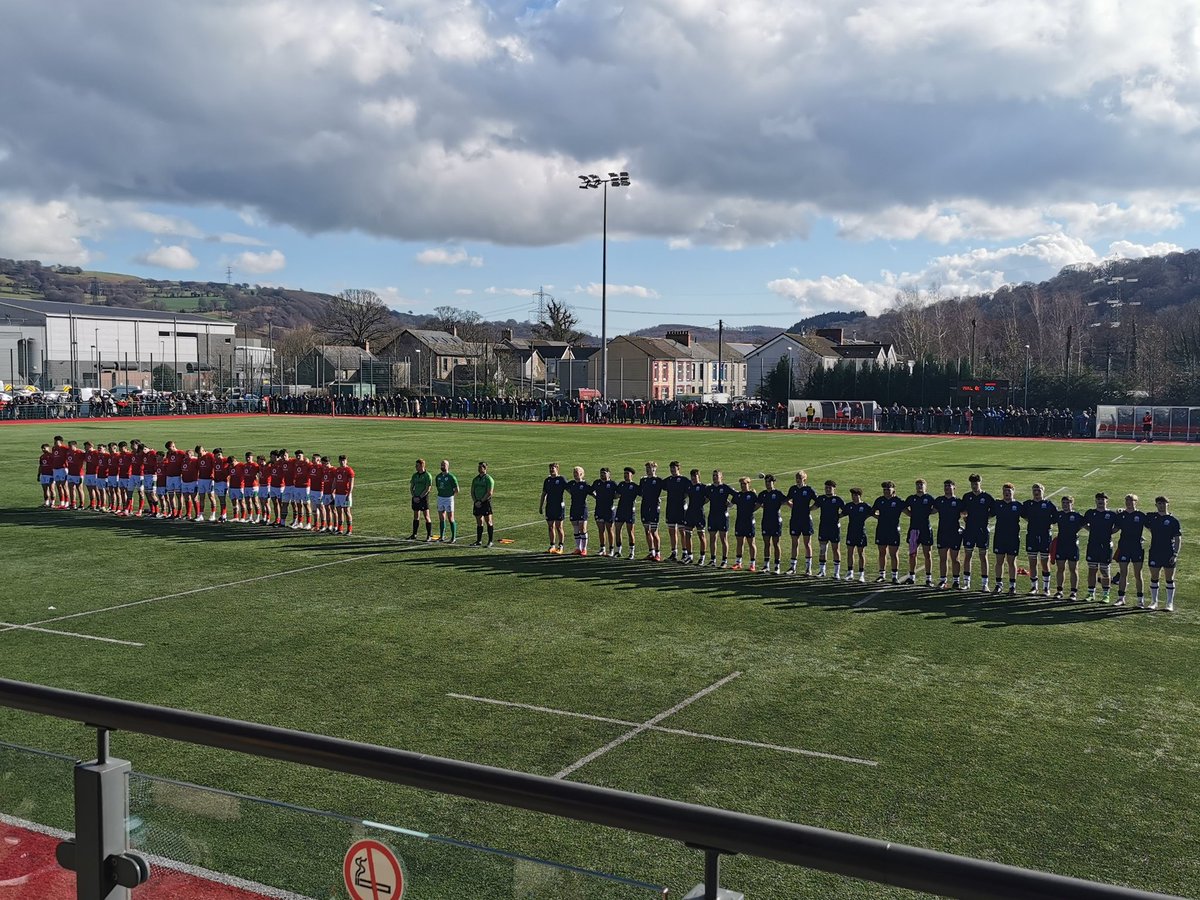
<point x="506" y="334"/>
<point x="367" y="346"/>
<point x="833" y="335"/>
<point x="680" y="337"/>
<point x="454" y="329"/>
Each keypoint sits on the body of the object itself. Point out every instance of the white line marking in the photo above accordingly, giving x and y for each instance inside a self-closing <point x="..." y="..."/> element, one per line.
<point x="1122" y="456"/>
<point x="523" y="525"/>
<point x="920" y="446"/>
<point x="634" y="732"/>
<point x="214" y="587"/>
<point x="1052" y="493"/>
<point x="9" y="626"/>
<point x="1093" y="472"/>
<point x="867" y="599"/>
<point x="664" y="730"/>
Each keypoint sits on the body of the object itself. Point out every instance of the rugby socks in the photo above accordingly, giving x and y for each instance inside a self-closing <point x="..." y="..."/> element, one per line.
<point x="808" y="565"/>
<point x="1170" y="593"/>
<point x="453" y="531"/>
<point x="1154" y="592"/>
<point x="491" y="531"/>
<point x="1046" y="583"/>
<point x="837" y="570"/>
<point x="821" y="572"/>
<point x="428" y="530"/>
<point x="442" y="530"/>
<point x="479" y="534"/>
<point x="416" y="525"/>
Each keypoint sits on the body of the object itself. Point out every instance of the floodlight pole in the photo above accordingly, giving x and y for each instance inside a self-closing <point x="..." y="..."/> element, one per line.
<point x="617" y="179"/>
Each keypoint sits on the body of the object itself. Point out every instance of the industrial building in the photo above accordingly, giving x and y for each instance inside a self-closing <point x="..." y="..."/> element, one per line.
<point x="49" y="344"/>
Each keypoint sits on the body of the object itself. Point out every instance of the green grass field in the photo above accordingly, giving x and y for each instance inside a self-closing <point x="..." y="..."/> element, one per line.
<point x="1057" y="736"/>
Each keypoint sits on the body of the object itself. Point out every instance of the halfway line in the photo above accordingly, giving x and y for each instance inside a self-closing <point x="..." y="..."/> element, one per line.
<point x="634" y="732"/>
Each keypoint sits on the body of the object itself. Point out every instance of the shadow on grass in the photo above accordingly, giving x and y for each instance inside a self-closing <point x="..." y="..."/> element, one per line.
<point x="778" y="592"/>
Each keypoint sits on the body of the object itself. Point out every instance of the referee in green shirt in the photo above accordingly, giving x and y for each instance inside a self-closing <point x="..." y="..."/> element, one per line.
<point x="482" y="487"/>
<point x="447" y="489"/>
<point x="419" y="486"/>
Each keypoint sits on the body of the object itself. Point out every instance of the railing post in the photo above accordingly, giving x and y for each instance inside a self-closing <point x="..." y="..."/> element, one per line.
<point x="99" y="854"/>
<point x="711" y="888"/>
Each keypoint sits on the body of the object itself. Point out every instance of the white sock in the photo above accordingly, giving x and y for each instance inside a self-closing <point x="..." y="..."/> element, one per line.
<point x="1154" y="591"/>
<point x="1170" y="591"/>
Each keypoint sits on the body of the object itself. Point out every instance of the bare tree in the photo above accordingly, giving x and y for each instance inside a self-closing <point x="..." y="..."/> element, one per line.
<point x="357" y="317"/>
<point x="294" y="346"/>
<point x="559" y="323"/>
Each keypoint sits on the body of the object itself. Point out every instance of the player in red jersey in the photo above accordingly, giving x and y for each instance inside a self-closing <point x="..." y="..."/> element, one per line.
<point x="124" y="478"/>
<point x="75" y="462"/>
<point x="328" y="513"/>
<point x="45" y="475"/>
<point x="256" y="474"/>
<point x="343" y="491"/>
<point x="174" y="463"/>
<point x="149" y="479"/>
<point x="278" y="471"/>
<point x="162" y="500"/>
<point x="296" y="493"/>
<point x="237" y="474"/>
<point x="189" y="475"/>
<point x="315" y="491"/>
<point x="58" y="461"/>
<point x="222" y="465"/>
<point x="206" y="464"/>
<point x="90" y="464"/>
<point x="112" y="491"/>
<point x="102" y="459"/>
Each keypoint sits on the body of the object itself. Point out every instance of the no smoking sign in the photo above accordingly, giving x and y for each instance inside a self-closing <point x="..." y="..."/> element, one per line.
<point x="372" y="871"/>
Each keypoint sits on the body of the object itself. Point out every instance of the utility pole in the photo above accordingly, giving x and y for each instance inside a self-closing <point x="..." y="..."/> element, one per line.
<point x="1067" y="352"/>
<point x="229" y="274"/>
<point x="720" y="356"/>
<point x="540" y="310"/>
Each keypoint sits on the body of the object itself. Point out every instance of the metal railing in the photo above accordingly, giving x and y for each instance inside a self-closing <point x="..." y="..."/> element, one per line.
<point x="714" y="831"/>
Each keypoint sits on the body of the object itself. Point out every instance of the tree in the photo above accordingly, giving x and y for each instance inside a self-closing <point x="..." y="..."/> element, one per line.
<point x="164" y="378"/>
<point x="357" y="317"/>
<point x="779" y="385"/>
<point x="294" y="346"/>
<point x="559" y="323"/>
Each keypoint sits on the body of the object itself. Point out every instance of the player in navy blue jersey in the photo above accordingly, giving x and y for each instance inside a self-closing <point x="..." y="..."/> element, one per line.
<point x="976" y="535"/>
<point x="1066" y="546"/>
<point x="578" y="490"/>
<point x="745" y="503"/>
<point x="651" y="492"/>
<point x="857" y="513"/>
<point x="554" y="507"/>
<point x="627" y="494"/>
<point x="604" y="489"/>
<point x="950" y="509"/>
<point x="694" y="521"/>
<point x="918" y="507"/>
<point x="1100" y="522"/>
<point x="829" y="528"/>
<point x="1040" y="513"/>
<point x="888" y="508"/>
<point x="771" y="501"/>
<point x="1131" y="523"/>
<point x="800" y="499"/>
<point x="1006" y="540"/>
<point x="1166" y="535"/>
<point x="675" y="487"/>
<point x="720" y="495"/>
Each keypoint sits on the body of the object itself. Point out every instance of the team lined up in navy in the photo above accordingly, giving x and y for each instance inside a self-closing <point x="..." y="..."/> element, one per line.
<point x="698" y="516"/>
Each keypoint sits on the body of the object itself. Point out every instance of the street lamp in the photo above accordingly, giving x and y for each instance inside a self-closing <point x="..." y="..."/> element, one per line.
<point x="789" y="384"/>
<point x="420" y="378"/>
<point x="616" y="179"/>
<point x="1027" y="376"/>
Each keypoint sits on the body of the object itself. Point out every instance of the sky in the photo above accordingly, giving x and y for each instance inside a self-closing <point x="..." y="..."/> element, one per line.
<point x="785" y="158"/>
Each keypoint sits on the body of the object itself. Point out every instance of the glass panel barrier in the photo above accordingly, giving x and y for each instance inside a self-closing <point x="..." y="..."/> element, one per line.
<point x="36" y="814"/>
<point x="207" y="844"/>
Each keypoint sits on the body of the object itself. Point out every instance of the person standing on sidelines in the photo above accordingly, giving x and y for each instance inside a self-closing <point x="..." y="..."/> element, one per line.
<point x="857" y="513"/>
<point x="1166" y="535"/>
<point x="483" y="486"/>
<point x="1066" y="546"/>
<point x="579" y="490"/>
<point x="446" y="485"/>
<point x="343" y="495"/>
<point x="1131" y="525"/>
<point x="419" y="486"/>
<point x="627" y="494"/>
<point x="888" y="508"/>
<point x="604" y="489"/>
<point x="554" y="507"/>
<point x="694" y="519"/>
<point x="675" y="486"/>
<point x="745" y="503"/>
<point x="976" y="536"/>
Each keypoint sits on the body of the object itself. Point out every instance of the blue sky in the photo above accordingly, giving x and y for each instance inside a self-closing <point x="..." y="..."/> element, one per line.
<point x="786" y="158"/>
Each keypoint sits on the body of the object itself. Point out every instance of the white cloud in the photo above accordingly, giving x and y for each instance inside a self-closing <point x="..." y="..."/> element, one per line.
<point x="259" y="263"/>
<point x="621" y="290"/>
<point x="464" y="292"/>
<point x="514" y="291"/>
<point x="154" y="223"/>
<point x="448" y="256"/>
<point x="171" y="256"/>
<point x="815" y="295"/>
<point x="1129" y="250"/>
<point x="53" y="232"/>
<point x="230" y="237"/>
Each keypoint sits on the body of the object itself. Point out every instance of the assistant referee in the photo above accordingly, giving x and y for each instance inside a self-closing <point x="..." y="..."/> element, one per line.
<point x="483" y="486"/>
